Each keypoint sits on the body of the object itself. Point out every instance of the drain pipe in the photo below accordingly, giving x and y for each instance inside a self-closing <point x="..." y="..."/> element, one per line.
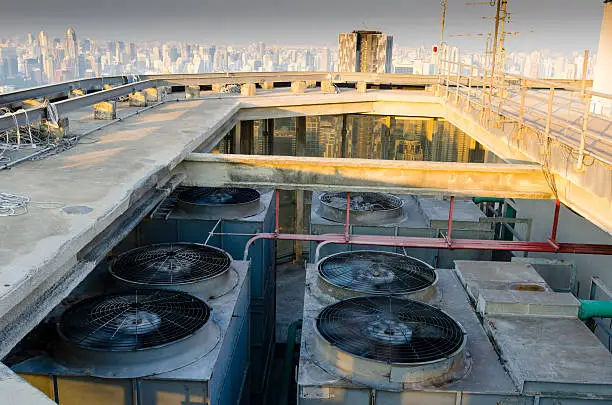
<point x="283" y="398"/>
<point x="595" y="309"/>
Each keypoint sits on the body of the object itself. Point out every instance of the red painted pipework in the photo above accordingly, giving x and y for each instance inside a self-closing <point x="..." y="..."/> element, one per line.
<point x="450" y="220"/>
<point x="277" y="208"/>
<point x="553" y="234"/>
<point x="348" y="213"/>
<point x="439" y="243"/>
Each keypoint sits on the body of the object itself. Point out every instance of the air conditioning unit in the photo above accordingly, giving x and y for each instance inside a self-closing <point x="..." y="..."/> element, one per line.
<point x="403" y="215"/>
<point x="191" y="213"/>
<point x="174" y="331"/>
<point x="382" y="328"/>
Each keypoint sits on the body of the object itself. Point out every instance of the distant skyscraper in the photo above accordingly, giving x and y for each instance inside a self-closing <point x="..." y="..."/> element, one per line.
<point x="72" y="51"/>
<point x="365" y="51"/>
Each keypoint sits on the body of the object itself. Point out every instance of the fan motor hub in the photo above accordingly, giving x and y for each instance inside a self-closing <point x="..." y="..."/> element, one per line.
<point x="390" y="331"/>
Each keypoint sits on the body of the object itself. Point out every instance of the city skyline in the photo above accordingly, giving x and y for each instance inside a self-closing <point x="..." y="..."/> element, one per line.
<point x="315" y="23"/>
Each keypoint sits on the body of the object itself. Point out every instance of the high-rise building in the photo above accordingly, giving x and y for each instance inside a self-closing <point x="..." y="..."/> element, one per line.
<point x="365" y="51"/>
<point x="72" y="52"/>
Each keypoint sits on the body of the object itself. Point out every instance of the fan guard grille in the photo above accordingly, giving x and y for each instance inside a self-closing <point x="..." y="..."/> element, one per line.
<point x="390" y="330"/>
<point x="377" y="273"/>
<point x="362" y="202"/>
<point x="218" y="196"/>
<point x="132" y="321"/>
<point x="170" y="264"/>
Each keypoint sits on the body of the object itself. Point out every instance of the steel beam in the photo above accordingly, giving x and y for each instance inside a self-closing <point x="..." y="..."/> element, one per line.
<point x="52" y="91"/>
<point x="36" y="114"/>
<point x="403" y="177"/>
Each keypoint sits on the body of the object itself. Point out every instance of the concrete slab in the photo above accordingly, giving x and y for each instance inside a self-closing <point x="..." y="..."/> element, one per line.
<point x="532" y="303"/>
<point x="477" y="276"/>
<point x="548" y="355"/>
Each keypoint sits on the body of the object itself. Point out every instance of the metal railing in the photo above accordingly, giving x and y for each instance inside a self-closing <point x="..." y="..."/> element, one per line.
<point x="554" y="110"/>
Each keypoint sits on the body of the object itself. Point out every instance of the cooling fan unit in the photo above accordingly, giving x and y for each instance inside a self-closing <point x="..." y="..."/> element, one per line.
<point x="136" y="333"/>
<point x="393" y="342"/>
<point x="364" y="209"/>
<point x="226" y="203"/>
<point x="366" y="272"/>
<point x="199" y="269"/>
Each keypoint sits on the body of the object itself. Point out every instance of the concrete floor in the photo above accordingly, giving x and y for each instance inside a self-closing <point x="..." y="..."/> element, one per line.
<point x="290" y="282"/>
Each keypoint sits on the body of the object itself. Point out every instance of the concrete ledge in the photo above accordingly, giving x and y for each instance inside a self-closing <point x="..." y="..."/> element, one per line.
<point x="404" y="177"/>
<point x="511" y="302"/>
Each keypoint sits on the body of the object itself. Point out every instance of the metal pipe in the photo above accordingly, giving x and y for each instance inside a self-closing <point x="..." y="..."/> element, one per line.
<point x="277" y="210"/>
<point x="595" y="309"/>
<point x="450" y="220"/>
<point x="553" y="234"/>
<point x="318" y="250"/>
<point x="440" y="243"/>
<point x="211" y="233"/>
<point x="348" y="213"/>
<point x="283" y="398"/>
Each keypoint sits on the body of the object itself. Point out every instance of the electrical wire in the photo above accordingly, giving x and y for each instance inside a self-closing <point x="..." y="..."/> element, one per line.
<point x="15" y="205"/>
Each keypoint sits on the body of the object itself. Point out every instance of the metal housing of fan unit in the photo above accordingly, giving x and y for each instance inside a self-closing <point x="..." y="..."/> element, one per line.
<point x="365" y="208"/>
<point x="226" y="203"/>
<point x="391" y="342"/>
<point x="201" y="270"/>
<point x="369" y="272"/>
<point x="118" y="335"/>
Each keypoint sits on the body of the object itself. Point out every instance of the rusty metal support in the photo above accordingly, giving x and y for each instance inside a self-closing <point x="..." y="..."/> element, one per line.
<point x="348" y="213"/>
<point x="276" y="212"/>
<point x="553" y="234"/>
<point x="450" y="220"/>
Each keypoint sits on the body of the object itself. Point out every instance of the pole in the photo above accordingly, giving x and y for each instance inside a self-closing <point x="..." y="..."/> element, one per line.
<point x="348" y="213"/>
<point x="450" y="220"/>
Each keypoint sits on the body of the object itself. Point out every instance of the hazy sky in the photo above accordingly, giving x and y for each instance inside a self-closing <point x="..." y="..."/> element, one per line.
<point x="560" y="25"/>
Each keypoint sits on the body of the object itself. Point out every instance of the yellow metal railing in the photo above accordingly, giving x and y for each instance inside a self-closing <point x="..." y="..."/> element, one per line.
<point x="557" y="110"/>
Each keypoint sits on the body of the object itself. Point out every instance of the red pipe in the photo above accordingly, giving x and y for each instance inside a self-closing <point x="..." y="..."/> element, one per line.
<point x="348" y="213"/>
<point x="450" y="220"/>
<point x="277" y="208"/>
<point x="550" y="246"/>
<point x="438" y="243"/>
<point x="553" y="234"/>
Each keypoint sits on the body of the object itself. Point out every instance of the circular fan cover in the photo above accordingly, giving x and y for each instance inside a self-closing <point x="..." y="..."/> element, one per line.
<point x="363" y="202"/>
<point x="170" y="264"/>
<point x="375" y="273"/>
<point x="390" y="330"/>
<point x="219" y="196"/>
<point x="137" y="320"/>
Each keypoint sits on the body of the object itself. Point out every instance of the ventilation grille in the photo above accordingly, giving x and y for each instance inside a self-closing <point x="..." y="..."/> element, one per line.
<point x="138" y="320"/>
<point x="377" y="273"/>
<point x="218" y="196"/>
<point x="170" y="264"/>
<point x="390" y="330"/>
<point x="362" y="202"/>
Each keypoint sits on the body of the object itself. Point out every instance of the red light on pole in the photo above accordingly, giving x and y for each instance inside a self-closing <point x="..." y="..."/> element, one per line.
<point x="435" y="49"/>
